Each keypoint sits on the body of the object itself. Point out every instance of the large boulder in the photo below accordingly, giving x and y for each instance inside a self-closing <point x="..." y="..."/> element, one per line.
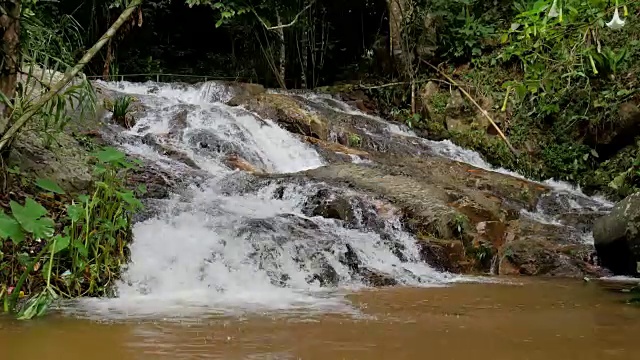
<point x="286" y="111"/>
<point x="63" y="160"/>
<point x="617" y="237"/>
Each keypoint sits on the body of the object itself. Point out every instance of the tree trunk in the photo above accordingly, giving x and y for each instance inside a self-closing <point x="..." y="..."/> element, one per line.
<point x="283" y="54"/>
<point x="107" y="61"/>
<point x="305" y="58"/>
<point x="397" y="9"/>
<point x="10" y="47"/>
<point x="69" y="75"/>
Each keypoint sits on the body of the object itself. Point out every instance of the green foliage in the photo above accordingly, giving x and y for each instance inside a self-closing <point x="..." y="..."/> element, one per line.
<point x="466" y="27"/>
<point x="84" y="250"/>
<point x="47" y="51"/>
<point x="228" y="9"/>
<point x="355" y="140"/>
<point x="121" y="107"/>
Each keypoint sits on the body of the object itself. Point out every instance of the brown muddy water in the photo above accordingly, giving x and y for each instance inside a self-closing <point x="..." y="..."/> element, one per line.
<point x="527" y="320"/>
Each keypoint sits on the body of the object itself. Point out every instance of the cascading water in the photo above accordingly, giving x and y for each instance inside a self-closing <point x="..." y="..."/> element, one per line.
<point x="216" y="250"/>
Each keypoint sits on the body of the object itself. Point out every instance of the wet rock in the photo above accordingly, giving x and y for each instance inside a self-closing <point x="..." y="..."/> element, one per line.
<point x="444" y="255"/>
<point x="237" y="163"/>
<point x="336" y="148"/>
<point x="425" y="203"/>
<point x="617" y="237"/>
<point x="168" y="151"/>
<point x="327" y="276"/>
<point x="158" y="182"/>
<point x="333" y="208"/>
<point x="208" y="142"/>
<point x="534" y="248"/>
<point x="540" y="257"/>
<point x="178" y="122"/>
<point x="583" y="221"/>
<point x="376" y="278"/>
<point x="243" y="92"/>
<point x="287" y="112"/>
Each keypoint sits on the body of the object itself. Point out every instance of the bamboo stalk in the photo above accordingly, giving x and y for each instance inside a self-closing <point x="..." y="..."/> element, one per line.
<point x="69" y="75"/>
<point x="483" y="111"/>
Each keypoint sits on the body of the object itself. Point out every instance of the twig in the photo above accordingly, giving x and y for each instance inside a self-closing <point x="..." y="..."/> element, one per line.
<point x="295" y="19"/>
<point x="483" y="111"/>
<point x="401" y="83"/>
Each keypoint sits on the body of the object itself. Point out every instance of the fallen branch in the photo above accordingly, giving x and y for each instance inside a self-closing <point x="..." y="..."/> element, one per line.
<point x="69" y="75"/>
<point x="483" y="111"/>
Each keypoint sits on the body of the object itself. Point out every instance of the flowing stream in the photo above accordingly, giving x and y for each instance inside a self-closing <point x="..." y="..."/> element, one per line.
<point x="224" y="249"/>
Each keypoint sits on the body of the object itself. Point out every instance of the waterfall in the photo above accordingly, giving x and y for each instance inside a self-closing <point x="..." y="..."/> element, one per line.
<point x="217" y="250"/>
<point x="226" y="247"/>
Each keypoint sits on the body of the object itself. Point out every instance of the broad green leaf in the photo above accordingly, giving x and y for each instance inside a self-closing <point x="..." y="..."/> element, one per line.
<point x="60" y="243"/>
<point x="31" y="210"/>
<point x="30" y="216"/>
<point x="110" y="154"/>
<point x="10" y="229"/>
<point x="75" y="212"/>
<point x="49" y="185"/>
<point x="99" y="169"/>
<point x="130" y="198"/>
<point x="43" y="228"/>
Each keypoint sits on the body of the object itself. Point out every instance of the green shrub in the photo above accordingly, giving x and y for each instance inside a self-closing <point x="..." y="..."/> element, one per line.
<point x="81" y="251"/>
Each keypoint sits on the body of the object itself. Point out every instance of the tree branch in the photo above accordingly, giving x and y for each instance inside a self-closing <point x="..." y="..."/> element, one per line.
<point x="282" y="26"/>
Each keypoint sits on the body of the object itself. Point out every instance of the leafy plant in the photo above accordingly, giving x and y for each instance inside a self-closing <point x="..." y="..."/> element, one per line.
<point x="355" y="140"/>
<point x="121" y="109"/>
<point x="84" y="251"/>
<point x="466" y="25"/>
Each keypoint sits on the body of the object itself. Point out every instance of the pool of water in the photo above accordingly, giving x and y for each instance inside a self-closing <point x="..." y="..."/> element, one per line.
<point x="526" y="319"/>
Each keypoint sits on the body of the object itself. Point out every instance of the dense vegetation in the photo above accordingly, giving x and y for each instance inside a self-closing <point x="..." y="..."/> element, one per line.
<point x="557" y="77"/>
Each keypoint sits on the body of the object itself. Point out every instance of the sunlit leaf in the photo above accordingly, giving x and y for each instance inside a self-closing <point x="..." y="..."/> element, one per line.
<point x="79" y="246"/>
<point x="130" y="198"/>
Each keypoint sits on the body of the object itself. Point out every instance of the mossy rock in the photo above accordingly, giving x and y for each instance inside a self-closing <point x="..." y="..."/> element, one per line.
<point x="287" y="112"/>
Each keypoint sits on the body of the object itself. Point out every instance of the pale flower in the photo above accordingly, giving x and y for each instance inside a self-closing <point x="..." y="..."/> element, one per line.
<point x="616" y="23"/>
